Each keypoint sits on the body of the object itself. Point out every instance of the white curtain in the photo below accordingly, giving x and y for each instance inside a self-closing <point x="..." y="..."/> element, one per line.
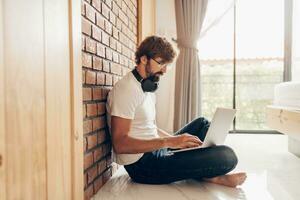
<point x="189" y="19"/>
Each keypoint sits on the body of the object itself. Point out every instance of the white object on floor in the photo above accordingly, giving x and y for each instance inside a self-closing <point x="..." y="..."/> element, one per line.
<point x="273" y="174"/>
<point x="284" y="114"/>
<point x="287" y="94"/>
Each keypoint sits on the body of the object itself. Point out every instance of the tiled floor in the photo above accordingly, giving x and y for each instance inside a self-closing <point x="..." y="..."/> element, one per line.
<point x="273" y="174"/>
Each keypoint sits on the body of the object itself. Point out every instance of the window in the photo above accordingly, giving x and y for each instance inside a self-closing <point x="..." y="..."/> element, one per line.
<point x="241" y="59"/>
<point x="296" y="42"/>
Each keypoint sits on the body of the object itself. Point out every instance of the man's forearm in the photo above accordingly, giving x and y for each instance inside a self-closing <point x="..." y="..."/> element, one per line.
<point x="130" y="145"/>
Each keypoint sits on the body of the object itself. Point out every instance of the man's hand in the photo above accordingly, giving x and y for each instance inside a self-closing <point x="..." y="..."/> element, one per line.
<point x="183" y="141"/>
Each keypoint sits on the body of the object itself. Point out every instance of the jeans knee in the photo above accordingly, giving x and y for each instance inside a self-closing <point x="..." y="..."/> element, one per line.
<point x="203" y="122"/>
<point x="201" y="119"/>
<point x="228" y="156"/>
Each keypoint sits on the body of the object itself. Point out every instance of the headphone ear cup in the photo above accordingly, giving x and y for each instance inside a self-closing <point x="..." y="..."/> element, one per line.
<point x="149" y="86"/>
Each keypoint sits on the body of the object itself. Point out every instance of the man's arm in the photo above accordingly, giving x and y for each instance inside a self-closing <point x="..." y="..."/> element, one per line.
<point x="123" y="143"/>
<point x="163" y="133"/>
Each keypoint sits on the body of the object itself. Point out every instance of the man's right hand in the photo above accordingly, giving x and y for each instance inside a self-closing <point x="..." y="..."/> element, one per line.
<point x="183" y="141"/>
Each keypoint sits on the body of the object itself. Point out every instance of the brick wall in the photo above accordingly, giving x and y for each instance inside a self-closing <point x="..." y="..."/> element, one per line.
<point x="109" y="39"/>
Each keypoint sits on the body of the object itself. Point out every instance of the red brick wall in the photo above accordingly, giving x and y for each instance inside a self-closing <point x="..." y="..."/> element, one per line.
<point x="109" y="39"/>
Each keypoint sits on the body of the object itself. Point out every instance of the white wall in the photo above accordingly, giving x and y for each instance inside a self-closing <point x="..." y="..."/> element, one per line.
<point x="147" y="14"/>
<point x="166" y="26"/>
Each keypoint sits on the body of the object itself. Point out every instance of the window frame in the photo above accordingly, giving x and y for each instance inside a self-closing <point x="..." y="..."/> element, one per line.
<point x="288" y="23"/>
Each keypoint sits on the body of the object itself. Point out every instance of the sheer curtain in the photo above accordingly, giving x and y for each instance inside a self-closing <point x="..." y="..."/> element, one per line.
<point x="189" y="19"/>
<point x="193" y="21"/>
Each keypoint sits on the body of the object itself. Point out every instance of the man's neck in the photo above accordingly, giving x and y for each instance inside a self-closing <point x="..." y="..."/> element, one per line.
<point x="141" y="70"/>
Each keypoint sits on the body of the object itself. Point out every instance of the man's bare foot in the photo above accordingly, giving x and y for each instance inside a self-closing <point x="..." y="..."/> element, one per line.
<point x="230" y="180"/>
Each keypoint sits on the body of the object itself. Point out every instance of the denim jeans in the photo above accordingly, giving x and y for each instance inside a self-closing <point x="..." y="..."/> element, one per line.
<point x="159" y="167"/>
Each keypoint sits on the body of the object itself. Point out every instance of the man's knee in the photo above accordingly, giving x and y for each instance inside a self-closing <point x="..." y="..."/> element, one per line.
<point x="202" y="120"/>
<point x="203" y="124"/>
<point x="228" y="156"/>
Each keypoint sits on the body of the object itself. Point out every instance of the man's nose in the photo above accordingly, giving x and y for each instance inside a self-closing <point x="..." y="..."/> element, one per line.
<point x="164" y="69"/>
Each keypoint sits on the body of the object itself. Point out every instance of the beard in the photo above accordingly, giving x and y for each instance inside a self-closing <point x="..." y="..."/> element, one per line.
<point x="152" y="76"/>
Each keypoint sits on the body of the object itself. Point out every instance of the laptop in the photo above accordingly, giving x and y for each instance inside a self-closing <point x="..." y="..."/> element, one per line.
<point x="218" y="129"/>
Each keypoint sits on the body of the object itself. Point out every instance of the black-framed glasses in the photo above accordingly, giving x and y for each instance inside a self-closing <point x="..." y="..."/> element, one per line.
<point x="161" y="64"/>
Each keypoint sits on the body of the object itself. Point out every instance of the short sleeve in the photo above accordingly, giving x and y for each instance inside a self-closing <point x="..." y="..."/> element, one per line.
<point x="124" y="103"/>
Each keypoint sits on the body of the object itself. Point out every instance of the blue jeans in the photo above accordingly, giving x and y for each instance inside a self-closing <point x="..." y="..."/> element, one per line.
<point x="159" y="167"/>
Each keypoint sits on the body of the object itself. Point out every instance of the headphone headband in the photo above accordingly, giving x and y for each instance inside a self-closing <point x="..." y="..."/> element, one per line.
<point x="137" y="75"/>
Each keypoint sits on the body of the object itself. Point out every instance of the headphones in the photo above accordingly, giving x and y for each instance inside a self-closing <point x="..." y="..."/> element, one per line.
<point x="148" y="84"/>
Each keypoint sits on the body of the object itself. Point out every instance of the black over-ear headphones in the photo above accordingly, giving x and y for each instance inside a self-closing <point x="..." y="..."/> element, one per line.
<point x="148" y="85"/>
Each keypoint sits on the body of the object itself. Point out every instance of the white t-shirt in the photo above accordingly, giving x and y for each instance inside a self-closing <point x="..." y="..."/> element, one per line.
<point x="128" y="100"/>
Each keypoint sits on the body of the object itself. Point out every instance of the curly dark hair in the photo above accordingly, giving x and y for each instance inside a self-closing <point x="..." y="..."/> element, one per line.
<point x="153" y="47"/>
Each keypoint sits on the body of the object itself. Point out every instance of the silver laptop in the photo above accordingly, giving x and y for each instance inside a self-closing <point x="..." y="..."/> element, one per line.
<point x="217" y="131"/>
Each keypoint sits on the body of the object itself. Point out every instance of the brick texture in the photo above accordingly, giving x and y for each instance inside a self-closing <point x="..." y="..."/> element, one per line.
<point x="109" y="40"/>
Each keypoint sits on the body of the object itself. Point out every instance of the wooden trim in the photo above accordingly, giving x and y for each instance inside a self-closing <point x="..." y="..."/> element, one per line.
<point x="76" y="100"/>
<point x="284" y="120"/>
<point x="57" y="95"/>
<point x="139" y="19"/>
<point x="2" y="113"/>
<point x="64" y="99"/>
<point x="154" y="17"/>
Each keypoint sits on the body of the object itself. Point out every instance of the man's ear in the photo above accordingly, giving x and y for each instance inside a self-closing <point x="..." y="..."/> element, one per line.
<point x="144" y="60"/>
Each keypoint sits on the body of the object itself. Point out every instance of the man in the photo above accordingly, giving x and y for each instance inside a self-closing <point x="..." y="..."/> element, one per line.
<point x="142" y="148"/>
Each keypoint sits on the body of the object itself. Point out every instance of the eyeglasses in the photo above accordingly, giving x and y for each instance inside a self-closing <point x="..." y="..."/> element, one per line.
<point x="161" y="64"/>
